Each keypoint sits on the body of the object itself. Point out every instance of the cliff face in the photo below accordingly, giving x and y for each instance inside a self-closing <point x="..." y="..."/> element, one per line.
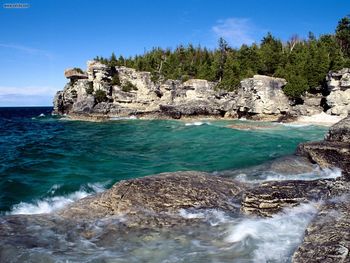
<point x="339" y="87"/>
<point x="122" y="92"/>
<point x="126" y="92"/>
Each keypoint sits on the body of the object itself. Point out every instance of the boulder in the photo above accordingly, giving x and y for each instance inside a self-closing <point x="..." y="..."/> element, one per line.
<point x="338" y="84"/>
<point x="339" y="102"/>
<point x="340" y="131"/>
<point x="334" y="151"/>
<point x="262" y="95"/>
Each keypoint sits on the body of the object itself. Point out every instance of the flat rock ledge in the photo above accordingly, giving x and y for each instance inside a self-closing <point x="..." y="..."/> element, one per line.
<point x="333" y="151"/>
<point x="156" y="200"/>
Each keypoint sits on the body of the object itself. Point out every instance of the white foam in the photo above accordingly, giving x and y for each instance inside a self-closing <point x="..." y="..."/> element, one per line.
<point x="212" y="216"/>
<point x="197" y="123"/>
<point x="132" y="117"/>
<point x="317" y="173"/>
<point x="327" y="173"/>
<point x="273" y="239"/>
<point x="320" y="119"/>
<point x="50" y="204"/>
<point x="41" y="115"/>
<point x="295" y="125"/>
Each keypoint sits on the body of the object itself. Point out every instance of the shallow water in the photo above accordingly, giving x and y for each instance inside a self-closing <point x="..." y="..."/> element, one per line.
<point x="47" y="163"/>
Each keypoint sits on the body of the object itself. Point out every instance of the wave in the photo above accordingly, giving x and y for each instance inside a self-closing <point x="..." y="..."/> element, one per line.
<point x="51" y="204"/>
<point x="213" y="216"/>
<point x="123" y="118"/>
<point x="295" y="125"/>
<point x="317" y="173"/>
<point x="273" y="239"/>
<point x="197" y="123"/>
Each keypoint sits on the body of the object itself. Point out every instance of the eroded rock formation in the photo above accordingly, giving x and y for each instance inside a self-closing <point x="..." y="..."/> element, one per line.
<point x="261" y="95"/>
<point x="338" y="84"/>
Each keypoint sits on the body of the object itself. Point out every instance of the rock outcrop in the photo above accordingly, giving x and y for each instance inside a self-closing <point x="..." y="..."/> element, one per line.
<point x="334" y="151"/>
<point x="121" y="92"/>
<point x="338" y="100"/>
<point x="327" y="238"/>
<point x="312" y="105"/>
<point x="156" y="200"/>
<point x="130" y="92"/>
<point x="74" y="74"/>
<point x="261" y="95"/>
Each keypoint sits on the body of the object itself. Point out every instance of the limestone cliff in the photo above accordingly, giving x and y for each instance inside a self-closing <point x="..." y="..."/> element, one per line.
<point x="126" y="92"/>
<point x="122" y="92"/>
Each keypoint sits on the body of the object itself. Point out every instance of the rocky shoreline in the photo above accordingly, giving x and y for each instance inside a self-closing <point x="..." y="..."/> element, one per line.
<point x="104" y="92"/>
<point x="155" y="201"/>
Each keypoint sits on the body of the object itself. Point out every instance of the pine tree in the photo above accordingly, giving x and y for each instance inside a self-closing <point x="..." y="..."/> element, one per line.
<point x="271" y="52"/>
<point x="343" y="35"/>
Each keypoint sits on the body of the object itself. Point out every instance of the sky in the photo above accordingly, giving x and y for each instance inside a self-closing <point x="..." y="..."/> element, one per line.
<point x="38" y="42"/>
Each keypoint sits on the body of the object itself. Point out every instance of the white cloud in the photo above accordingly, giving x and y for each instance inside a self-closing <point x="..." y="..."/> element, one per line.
<point x="27" y="91"/>
<point x="26" y="96"/>
<point x="236" y="31"/>
<point x="27" y="50"/>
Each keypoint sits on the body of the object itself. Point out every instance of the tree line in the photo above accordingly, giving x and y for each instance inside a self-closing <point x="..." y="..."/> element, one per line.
<point x="302" y="62"/>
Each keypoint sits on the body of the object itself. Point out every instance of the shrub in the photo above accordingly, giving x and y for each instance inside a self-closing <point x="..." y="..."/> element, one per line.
<point x="90" y="88"/>
<point x="128" y="86"/>
<point x="115" y="79"/>
<point x="100" y="96"/>
<point x="296" y="86"/>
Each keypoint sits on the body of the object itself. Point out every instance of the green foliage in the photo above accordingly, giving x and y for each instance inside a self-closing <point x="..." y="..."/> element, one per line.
<point x="128" y="86"/>
<point x="90" y="88"/>
<point x="115" y="79"/>
<point x="271" y="54"/>
<point x="302" y="62"/>
<point x="100" y="96"/>
<point x="296" y="86"/>
<point x="343" y="35"/>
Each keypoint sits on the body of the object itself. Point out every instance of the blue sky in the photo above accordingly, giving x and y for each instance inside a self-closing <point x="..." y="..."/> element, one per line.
<point x="39" y="42"/>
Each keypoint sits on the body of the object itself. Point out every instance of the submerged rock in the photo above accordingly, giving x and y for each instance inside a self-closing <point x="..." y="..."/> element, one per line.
<point x="156" y="200"/>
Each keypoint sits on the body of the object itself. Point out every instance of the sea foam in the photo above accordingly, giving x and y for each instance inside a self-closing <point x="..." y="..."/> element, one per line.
<point x="50" y="204"/>
<point x="197" y="123"/>
<point x="273" y="239"/>
<point x="317" y="173"/>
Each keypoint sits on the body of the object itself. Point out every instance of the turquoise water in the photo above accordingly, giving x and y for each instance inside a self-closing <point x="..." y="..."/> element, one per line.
<point x="48" y="162"/>
<point x="43" y="156"/>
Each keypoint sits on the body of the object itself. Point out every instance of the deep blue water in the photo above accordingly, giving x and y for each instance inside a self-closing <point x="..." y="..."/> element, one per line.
<point x="44" y="156"/>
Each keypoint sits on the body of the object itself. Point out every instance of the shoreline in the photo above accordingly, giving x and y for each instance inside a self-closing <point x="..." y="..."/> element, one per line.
<point x="321" y="119"/>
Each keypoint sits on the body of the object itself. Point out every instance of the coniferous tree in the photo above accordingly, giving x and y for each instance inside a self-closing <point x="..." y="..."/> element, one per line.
<point x="343" y="35"/>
